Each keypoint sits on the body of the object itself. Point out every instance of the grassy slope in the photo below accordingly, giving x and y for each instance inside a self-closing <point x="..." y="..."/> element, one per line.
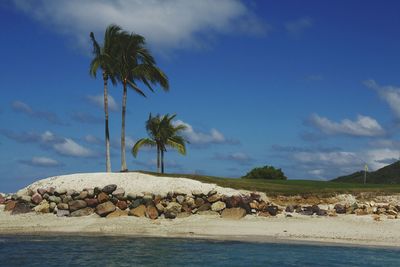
<point x="290" y="187"/>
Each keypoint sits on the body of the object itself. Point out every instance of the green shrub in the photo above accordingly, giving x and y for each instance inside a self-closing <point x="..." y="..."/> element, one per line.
<point x="266" y="172"/>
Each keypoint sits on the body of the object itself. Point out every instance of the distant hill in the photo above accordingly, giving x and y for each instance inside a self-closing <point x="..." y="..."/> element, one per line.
<point x="387" y="175"/>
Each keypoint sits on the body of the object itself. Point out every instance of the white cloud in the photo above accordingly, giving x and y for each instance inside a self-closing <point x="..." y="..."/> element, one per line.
<point x="297" y="27"/>
<point x="70" y="148"/>
<point x="339" y="158"/>
<point x="41" y="162"/>
<point x="91" y="139"/>
<point x="363" y="126"/>
<point x="378" y="158"/>
<point x="98" y="100"/>
<point x="165" y="24"/>
<point x="390" y="94"/>
<point x="201" y="138"/>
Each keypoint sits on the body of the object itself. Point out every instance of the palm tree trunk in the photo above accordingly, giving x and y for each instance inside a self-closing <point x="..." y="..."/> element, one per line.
<point x="123" y="154"/>
<point x="162" y="161"/>
<point x="158" y="159"/>
<point x="107" y="131"/>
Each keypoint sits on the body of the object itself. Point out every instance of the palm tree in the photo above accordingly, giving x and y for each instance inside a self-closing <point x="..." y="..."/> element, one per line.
<point x="104" y="59"/>
<point x="136" y="64"/>
<point x="162" y="134"/>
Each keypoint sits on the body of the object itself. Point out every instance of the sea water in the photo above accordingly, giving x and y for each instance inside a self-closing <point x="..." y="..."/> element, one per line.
<point x="120" y="251"/>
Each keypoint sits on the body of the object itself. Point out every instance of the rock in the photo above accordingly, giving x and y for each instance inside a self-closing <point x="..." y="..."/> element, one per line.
<point x="391" y="212"/>
<point x="264" y="214"/>
<point x="25" y="198"/>
<point x="117" y="213"/>
<point x="197" y="193"/>
<point x="332" y="213"/>
<point x="139" y="211"/>
<point x="62" y="206"/>
<point x="340" y="209"/>
<point x="76" y="205"/>
<point x="103" y="197"/>
<point x="208" y="212"/>
<point x="2" y="200"/>
<point x="52" y="206"/>
<point x="50" y="190"/>
<point x="170" y="215"/>
<point x="183" y="215"/>
<point x="233" y="213"/>
<point x="66" y="198"/>
<point x="97" y="190"/>
<point x="151" y="212"/>
<point x="198" y="202"/>
<point x="180" y="199"/>
<point x="36" y="198"/>
<point x="62" y="213"/>
<point x="41" y="191"/>
<point x="131" y="196"/>
<point x="122" y="205"/>
<point x="119" y="193"/>
<point x="148" y="198"/>
<point x="233" y="201"/>
<point x="90" y="193"/>
<point x="360" y="212"/>
<point x="82" y="195"/>
<point x="136" y="203"/>
<point x="21" y="208"/>
<point x="91" y="202"/>
<point x="54" y="199"/>
<point x="307" y="212"/>
<point x="254" y="205"/>
<point x="173" y="207"/>
<point x="218" y="206"/>
<point x="214" y="198"/>
<point x="190" y="201"/>
<point x="204" y="207"/>
<point x="114" y="200"/>
<point x="43" y="207"/>
<point x="212" y="192"/>
<point x="72" y="193"/>
<point x="186" y="208"/>
<point x="322" y="212"/>
<point x="82" y="212"/>
<point x="289" y="208"/>
<point x="105" y="208"/>
<point x="108" y="189"/>
<point x="60" y="191"/>
<point x="160" y="208"/>
<point x="390" y="217"/>
<point x="10" y="205"/>
<point x="289" y="215"/>
<point x="315" y="209"/>
<point x="273" y="210"/>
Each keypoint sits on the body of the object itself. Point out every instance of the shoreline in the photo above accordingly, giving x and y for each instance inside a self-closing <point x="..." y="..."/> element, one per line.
<point x="350" y="230"/>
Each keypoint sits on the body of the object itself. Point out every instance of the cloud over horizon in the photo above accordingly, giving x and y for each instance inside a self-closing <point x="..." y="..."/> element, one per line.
<point x="98" y="101"/>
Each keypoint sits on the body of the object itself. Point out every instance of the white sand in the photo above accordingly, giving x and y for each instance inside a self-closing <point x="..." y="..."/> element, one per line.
<point x="346" y="229"/>
<point x="132" y="182"/>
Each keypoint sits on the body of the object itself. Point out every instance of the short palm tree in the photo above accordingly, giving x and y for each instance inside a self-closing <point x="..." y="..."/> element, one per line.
<point x="136" y="64"/>
<point x="104" y="59"/>
<point x="162" y="134"/>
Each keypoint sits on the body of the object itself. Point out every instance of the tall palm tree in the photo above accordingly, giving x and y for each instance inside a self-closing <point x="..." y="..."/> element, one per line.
<point x="104" y="59"/>
<point x="162" y="134"/>
<point x="136" y="64"/>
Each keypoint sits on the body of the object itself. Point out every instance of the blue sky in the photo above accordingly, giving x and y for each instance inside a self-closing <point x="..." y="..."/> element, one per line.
<point x="311" y="87"/>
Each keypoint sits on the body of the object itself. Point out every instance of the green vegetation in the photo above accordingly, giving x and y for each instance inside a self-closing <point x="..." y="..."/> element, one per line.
<point x="387" y="175"/>
<point x="162" y="134"/>
<point x="266" y="172"/>
<point x="124" y="58"/>
<point x="291" y="187"/>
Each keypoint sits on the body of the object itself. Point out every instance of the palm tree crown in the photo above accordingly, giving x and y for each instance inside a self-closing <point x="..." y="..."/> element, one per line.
<point x="162" y="134"/>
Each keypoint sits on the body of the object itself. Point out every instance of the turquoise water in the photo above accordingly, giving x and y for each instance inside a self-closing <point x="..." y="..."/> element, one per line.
<point x="117" y="251"/>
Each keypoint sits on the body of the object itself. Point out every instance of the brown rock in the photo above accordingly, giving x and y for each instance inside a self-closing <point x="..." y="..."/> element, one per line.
<point x="91" y="202"/>
<point x="160" y="207"/>
<point x="41" y="191"/>
<point x="198" y="202"/>
<point x="76" y="205"/>
<point x="105" y="208"/>
<point x="139" y="211"/>
<point x="204" y="207"/>
<point x="62" y="206"/>
<point x="151" y="212"/>
<point x="36" y="198"/>
<point x="214" y="198"/>
<point x="117" y="213"/>
<point x="254" y="205"/>
<point x="233" y="201"/>
<point x="183" y="215"/>
<point x="102" y="197"/>
<point x="82" y="195"/>
<point x="82" y="212"/>
<point x="10" y="205"/>
<point x="20" y="208"/>
<point x="122" y="205"/>
<point x="233" y="213"/>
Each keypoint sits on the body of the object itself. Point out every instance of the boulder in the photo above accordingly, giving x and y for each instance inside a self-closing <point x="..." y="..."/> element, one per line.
<point x="151" y="212"/>
<point x="254" y="205"/>
<point x="43" y="207"/>
<point x="52" y="206"/>
<point x="36" y="198"/>
<point x="289" y="208"/>
<point x="117" y="213"/>
<point x="66" y="198"/>
<point x="82" y="195"/>
<point x="62" y="206"/>
<point x="197" y="193"/>
<point x="218" y="206"/>
<point x="60" y="191"/>
<point x="105" y="208"/>
<point x="322" y="212"/>
<point x="233" y="201"/>
<point x="233" y="213"/>
<point x="190" y="201"/>
<point x="114" y="200"/>
<point x="73" y="193"/>
<point x="391" y="212"/>
<point x="108" y="189"/>
<point x="41" y="191"/>
<point x="54" y="199"/>
<point x="160" y="208"/>
<point x="273" y="210"/>
<point x="204" y="207"/>
<point x="119" y="193"/>
<point x="25" y="198"/>
<point x="82" y="212"/>
<point x="136" y="203"/>
<point x="139" y="211"/>
<point x="10" y="205"/>
<point x="90" y="193"/>
<point x="198" y="202"/>
<point x="63" y="213"/>
<point x="50" y="190"/>
<point x="214" y="198"/>
<point x="180" y="199"/>
<point x="103" y="197"/>
<point x="122" y="205"/>
<point x="76" y="205"/>
<point x="340" y="209"/>
<point x="170" y="215"/>
<point x="173" y="207"/>
<point x="212" y="192"/>
<point x="21" y="208"/>
<point x="91" y="202"/>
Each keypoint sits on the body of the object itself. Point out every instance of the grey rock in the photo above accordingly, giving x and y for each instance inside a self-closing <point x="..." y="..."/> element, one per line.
<point x="54" y="199"/>
<point x="180" y="199"/>
<point x="119" y="193"/>
<point x="21" y="208"/>
<point x="109" y="188"/>
<point x="62" y="213"/>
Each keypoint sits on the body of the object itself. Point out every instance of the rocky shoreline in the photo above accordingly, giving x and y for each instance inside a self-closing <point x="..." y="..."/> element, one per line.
<point x="112" y="201"/>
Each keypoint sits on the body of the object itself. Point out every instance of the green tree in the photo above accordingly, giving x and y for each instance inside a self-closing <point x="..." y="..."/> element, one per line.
<point x="104" y="58"/>
<point x="162" y="134"/>
<point x="136" y="64"/>
<point x="266" y="172"/>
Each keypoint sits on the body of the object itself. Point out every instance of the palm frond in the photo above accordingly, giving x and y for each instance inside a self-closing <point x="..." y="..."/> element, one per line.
<point x="142" y="143"/>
